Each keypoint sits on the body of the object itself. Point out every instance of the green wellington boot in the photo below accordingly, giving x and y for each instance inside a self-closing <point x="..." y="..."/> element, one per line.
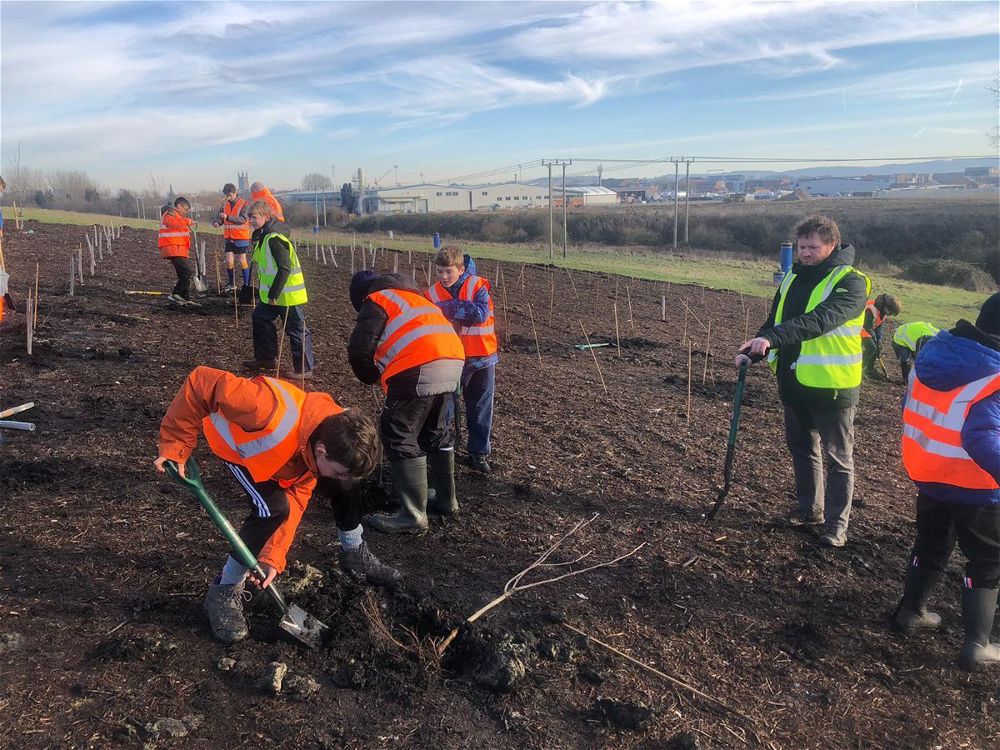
<point x="978" y="608"/>
<point x="912" y="613"/>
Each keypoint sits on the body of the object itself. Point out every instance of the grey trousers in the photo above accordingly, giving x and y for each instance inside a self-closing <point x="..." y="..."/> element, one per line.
<point x="811" y="433"/>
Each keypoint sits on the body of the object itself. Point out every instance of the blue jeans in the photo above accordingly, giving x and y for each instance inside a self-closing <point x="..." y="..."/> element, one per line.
<point x="265" y="333"/>
<point x="477" y="387"/>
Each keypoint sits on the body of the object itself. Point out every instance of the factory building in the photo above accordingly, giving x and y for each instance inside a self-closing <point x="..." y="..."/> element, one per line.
<point x="430" y="198"/>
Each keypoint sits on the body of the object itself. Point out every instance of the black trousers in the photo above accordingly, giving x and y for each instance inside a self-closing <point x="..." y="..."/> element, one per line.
<point x="182" y="266"/>
<point x="412" y="428"/>
<point x="265" y="333"/>
<point x="975" y="527"/>
<point x="270" y="506"/>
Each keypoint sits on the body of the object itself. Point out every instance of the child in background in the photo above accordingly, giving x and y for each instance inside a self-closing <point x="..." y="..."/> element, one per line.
<point x="175" y="245"/>
<point x="236" y="230"/>
<point x="464" y="299"/>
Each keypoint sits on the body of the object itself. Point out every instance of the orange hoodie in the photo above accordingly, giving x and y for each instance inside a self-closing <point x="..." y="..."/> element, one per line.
<point x="248" y="404"/>
<point x="267" y="195"/>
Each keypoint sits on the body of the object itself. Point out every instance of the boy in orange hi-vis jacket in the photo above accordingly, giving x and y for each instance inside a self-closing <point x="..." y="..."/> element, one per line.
<point x="281" y="445"/>
<point x="174" y="242"/>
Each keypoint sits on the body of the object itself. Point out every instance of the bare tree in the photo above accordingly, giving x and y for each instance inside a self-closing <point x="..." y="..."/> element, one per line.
<point x="995" y="135"/>
<point x="316" y="182"/>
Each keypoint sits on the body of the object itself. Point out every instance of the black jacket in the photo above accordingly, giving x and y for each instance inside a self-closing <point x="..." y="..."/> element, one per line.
<point x="432" y="378"/>
<point x="846" y="301"/>
<point x="278" y="249"/>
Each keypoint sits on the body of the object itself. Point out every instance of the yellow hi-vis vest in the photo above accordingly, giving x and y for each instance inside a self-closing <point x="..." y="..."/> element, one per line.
<point x="909" y="334"/>
<point x="834" y="359"/>
<point x="294" y="291"/>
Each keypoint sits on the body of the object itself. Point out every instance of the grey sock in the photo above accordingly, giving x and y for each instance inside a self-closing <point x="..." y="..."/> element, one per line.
<point x="350" y="539"/>
<point x="233" y="572"/>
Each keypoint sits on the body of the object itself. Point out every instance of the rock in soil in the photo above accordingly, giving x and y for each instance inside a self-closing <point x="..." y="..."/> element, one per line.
<point x="634" y="716"/>
<point x="301" y="579"/>
<point x="590" y="674"/>
<point x="682" y="741"/>
<point x="555" y="651"/>
<point x="11" y="642"/>
<point x="137" y="648"/>
<point x="301" y="688"/>
<point x="497" y="664"/>
<point x="273" y="677"/>
<point x="174" y="728"/>
<point x="225" y="664"/>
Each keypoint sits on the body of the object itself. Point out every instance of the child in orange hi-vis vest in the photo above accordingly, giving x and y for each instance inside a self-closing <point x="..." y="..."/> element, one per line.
<point x="281" y="445"/>
<point x="174" y="242"/>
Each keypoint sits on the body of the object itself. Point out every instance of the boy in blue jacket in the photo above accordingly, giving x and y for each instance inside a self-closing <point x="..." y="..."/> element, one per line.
<point x="951" y="450"/>
<point x="464" y="299"/>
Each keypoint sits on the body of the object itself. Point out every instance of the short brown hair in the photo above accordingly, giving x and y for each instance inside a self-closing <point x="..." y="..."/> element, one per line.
<point x="889" y="304"/>
<point x="825" y="228"/>
<point x="261" y="208"/>
<point x="450" y="255"/>
<point x="351" y="439"/>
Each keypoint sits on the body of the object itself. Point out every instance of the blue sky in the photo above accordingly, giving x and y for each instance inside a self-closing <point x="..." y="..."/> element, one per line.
<point x="192" y="92"/>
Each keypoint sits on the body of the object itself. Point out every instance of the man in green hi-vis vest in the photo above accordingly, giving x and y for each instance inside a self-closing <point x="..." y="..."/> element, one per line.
<point x="282" y="294"/>
<point x="812" y="340"/>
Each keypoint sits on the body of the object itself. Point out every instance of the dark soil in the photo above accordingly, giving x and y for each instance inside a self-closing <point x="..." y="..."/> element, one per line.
<point x="104" y="563"/>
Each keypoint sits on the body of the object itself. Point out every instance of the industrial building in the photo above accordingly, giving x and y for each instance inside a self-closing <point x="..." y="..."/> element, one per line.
<point x="431" y="197"/>
<point x="837" y="186"/>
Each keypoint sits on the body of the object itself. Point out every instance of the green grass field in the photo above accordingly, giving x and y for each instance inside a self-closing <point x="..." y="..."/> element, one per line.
<point x="940" y="305"/>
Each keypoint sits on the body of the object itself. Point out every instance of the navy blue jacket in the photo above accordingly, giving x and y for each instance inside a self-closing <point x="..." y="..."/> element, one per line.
<point x="948" y="361"/>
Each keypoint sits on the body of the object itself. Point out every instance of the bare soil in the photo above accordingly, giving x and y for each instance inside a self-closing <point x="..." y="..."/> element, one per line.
<point x="103" y="563"/>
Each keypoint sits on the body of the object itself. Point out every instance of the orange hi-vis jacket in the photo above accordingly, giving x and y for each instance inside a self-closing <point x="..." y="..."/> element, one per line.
<point x="232" y="231"/>
<point x="415" y="333"/>
<point x="932" y="433"/>
<point x="877" y="319"/>
<point x="174" y="240"/>
<point x="267" y="195"/>
<point x="479" y="340"/>
<point x="262" y="424"/>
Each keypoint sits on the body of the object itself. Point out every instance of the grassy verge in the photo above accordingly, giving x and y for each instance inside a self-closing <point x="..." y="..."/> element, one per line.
<point x="936" y="304"/>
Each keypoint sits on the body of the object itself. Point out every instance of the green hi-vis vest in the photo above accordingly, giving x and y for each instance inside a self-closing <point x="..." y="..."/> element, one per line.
<point x="294" y="291"/>
<point x="832" y="360"/>
<point x="909" y="334"/>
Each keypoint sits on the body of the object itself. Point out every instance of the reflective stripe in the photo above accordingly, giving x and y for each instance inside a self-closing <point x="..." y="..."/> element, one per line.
<point x="935" y="447"/>
<point x="407" y="313"/>
<point x="845" y="330"/>
<point x="829" y="359"/>
<point x="480" y="330"/>
<point x="434" y="293"/>
<point x="173" y="234"/>
<point x="253" y="448"/>
<point x="404" y="341"/>
<point x="954" y="418"/>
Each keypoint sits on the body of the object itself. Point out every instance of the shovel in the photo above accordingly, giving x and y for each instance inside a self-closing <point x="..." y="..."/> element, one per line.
<point x="294" y="620"/>
<point x="731" y="443"/>
<point x="200" y="285"/>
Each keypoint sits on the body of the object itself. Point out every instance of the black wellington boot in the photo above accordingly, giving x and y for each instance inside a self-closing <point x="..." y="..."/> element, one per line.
<point x="409" y="477"/>
<point x="912" y="613"/>
<point x="442" y="467"/>
<point x="978" y="608"/>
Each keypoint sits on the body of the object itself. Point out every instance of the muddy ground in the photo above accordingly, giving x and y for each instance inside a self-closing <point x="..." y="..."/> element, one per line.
<point x="103" y="563"/>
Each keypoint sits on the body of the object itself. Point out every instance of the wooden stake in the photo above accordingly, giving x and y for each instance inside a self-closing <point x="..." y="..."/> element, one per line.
<point x="618" y="339"/>
<point x="708" y="344"/>
<point x="535" y="332"/>
<point x="28" y="320"/>
<point x="79" y="263"/>
<point x="218" y="272"/>
<point x="571" y="282"/>
<point x="322" y="251"/>
<point x="521" y="277"/>
<point x="333" y="257"/>
<point x="689" y="382"/>
<point x="352" y="262"/>
<point x="72" y="273"/>
<point x="552" y="294"/>
<point x="93" y="261"/>
<point x="746" y="324"/>
<point x="364" y="259"/>
<point x="594" y="355"/>
<point x="685" y="334"/>
<point x="316" y="251"/>
<point x="236" y="307"/>
<point x="506" y="317"/>
<point x="663" y="307"/>
<point x="395" y="262"/>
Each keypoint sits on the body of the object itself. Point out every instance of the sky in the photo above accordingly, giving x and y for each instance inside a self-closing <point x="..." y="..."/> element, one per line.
<point x="191" y="92"/>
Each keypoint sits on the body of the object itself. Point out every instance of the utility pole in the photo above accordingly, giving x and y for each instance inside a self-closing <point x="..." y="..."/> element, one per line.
<point x="548" y="163"/>
<point x="396" y="167"/>
<point x="565" y="202"/>
<point x="600" y="174"/>
<point x="687" y="195"/>
<point x="677" y="172"/>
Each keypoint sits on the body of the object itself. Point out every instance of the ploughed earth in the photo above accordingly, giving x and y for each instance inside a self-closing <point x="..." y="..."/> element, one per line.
<point x="104" y="563"/>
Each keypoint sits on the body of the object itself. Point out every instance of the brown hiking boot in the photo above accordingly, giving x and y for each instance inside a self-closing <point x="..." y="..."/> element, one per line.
<point x="361" y="564"/>
<point x="224" y="608"/>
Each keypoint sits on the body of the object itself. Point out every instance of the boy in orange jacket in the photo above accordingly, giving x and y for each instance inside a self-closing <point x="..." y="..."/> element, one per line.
<point x="281" y="444"/>
<point x="174" y="242"/>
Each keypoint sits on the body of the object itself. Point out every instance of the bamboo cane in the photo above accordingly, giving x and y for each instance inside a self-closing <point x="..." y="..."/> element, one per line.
<point x="663" y="307"/>
<point x="79" y="263"/>
<point x="72" y="274"/>
<point x="28" y="320"/>
<point x="618" y="339"/>
<point x="236" y="307"/>
<point x="218" y="272"/>
<point x="631" y="320"/>
<point x="538" y="350"/>
<point x="34" y="309"/>
<point x="708" y="344"/>
<point x="506" y="317"/>
<point x="685" y="334"/>
<point x="552" y="294"/>
<point x="594" y="355"/>
<point x="689" y="382"/>
<point x="281" y="341"/>
<point x="572" y="283"/>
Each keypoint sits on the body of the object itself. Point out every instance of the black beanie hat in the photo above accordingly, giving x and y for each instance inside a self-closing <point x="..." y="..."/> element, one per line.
<point x="989" y="315"/>
<point x="360" y="284"/>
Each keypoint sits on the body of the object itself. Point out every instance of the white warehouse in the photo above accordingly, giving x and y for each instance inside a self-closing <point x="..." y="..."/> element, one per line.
<point x="430" y="197"/>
